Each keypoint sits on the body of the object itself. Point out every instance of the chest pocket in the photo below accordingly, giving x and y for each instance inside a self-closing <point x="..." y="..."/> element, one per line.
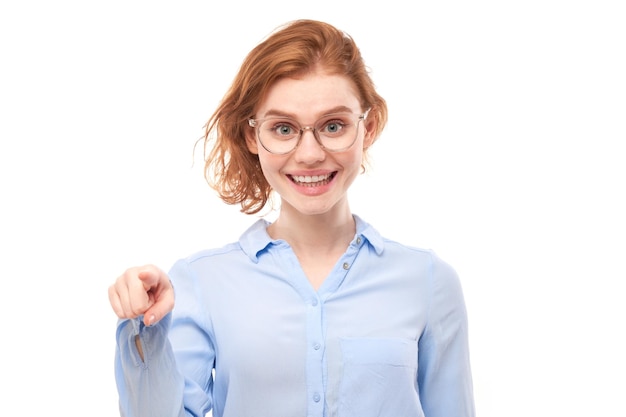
<point x="379" y="378"/>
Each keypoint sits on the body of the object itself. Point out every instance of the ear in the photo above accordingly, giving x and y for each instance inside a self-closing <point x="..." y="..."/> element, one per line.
<point x="251" y="142"/>
<point x="371" y="125"/>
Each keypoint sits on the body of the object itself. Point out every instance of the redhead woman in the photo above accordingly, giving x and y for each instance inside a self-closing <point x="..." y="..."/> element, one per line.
<point x="315" y="313"/>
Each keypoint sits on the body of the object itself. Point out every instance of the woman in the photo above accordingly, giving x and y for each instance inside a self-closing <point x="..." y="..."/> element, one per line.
<point x="314" y="314"/>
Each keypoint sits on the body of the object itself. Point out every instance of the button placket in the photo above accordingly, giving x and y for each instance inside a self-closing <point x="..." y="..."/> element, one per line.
<point x="315" y="357"/>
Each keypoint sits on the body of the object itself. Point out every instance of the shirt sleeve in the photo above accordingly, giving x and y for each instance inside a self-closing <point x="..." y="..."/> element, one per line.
<point x="151" y="387"/>
<point x="444" y="374"/>
<point x="192" y="338"/>
<point x="175" y="377"/>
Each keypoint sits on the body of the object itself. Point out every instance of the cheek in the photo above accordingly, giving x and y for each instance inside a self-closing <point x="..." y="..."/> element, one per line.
<point x="359" y="152"/>
<point x="270" y="164"/>
<point x="352" y="162"/>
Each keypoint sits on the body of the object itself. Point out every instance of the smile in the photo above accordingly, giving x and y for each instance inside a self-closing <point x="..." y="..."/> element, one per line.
<point x="312" y="180"/>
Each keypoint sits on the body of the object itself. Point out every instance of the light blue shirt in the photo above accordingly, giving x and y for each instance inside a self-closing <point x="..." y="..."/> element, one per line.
<point x="384" y="335"/>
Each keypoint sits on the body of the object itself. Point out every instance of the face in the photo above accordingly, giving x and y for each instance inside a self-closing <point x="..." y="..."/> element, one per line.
<point x="311" y="180"/>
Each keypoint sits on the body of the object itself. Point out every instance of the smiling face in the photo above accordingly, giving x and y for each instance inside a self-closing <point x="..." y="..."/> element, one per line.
<point x="311" y="180"/>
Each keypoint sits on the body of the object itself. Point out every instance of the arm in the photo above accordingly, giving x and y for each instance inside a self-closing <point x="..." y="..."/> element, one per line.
<point x="163" y="367"/>
<point x="148" y="385"/>
<point x="145" y="370"/>
<point x="444" y="374"/>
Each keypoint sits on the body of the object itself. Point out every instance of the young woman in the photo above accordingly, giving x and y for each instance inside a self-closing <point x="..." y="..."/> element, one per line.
<point x="314" y="314"/>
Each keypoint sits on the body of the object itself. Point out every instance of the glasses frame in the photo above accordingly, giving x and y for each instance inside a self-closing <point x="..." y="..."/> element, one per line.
<point x="256" y="123"/>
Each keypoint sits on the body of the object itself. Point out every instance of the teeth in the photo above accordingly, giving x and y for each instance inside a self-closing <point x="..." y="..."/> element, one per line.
<point x="310" y="178"/>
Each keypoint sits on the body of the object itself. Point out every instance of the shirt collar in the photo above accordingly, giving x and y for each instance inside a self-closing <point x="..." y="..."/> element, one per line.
<point x="256" y="238"/>
<point x="370" y="234"/>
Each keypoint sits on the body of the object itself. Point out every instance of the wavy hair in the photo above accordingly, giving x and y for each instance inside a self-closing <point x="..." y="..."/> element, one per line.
<point x="291" y="50"/>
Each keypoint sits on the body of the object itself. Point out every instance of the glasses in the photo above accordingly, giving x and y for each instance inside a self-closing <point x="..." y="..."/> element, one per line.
<point x="334" y="132"/>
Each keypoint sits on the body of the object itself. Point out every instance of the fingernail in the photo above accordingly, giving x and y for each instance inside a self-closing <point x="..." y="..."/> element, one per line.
<point x="151" y="320"/>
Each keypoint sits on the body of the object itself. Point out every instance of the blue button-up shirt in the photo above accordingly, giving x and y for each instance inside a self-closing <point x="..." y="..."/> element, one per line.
<point x="384" y="335"/>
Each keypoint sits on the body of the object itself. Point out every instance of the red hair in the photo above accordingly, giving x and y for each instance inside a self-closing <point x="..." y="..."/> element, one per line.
<point x="230" y="168"/>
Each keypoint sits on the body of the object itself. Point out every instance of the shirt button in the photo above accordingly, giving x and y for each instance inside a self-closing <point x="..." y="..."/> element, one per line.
<point x="358" y="240"/>
<point x="314" y="302"/>
<point x="346" y="265"/>
<point x="317" y="346"/>
<point x="316" y="397"/>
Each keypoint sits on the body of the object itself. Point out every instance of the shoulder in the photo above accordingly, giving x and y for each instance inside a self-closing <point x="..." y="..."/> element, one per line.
<point x="246" y="246"/>
<point x="428" y="259"/>
<point x="401" y="251"/>
<point x="399" y="255"/>
<point x="213" y="254"/>
<point x="407" y="249"/>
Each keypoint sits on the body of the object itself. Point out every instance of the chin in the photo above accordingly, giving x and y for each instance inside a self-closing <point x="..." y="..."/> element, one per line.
<point x="313" y="208"/>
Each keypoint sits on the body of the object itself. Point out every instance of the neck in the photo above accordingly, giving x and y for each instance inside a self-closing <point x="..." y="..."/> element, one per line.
<point x="318" y="240"/>
<point x="314" y="233"/>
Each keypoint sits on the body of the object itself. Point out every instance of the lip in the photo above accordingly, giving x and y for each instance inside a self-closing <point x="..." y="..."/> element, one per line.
<point x="310" y="172"/>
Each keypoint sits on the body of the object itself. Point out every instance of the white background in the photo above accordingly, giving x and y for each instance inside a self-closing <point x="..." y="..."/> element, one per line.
<point x="504" y="152"/>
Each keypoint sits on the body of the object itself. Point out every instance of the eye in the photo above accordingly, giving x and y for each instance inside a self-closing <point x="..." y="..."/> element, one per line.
<point x="333" y="127"/>
<point x="283" y="129"/>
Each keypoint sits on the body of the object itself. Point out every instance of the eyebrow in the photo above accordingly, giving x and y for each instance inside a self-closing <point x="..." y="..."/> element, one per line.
<point x="279" y="113"/>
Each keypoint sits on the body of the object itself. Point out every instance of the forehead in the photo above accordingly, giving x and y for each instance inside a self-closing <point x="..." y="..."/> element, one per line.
<point x="310" y="96"/>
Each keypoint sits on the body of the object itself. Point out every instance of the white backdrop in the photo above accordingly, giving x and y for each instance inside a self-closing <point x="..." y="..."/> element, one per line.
<point x="504" y="153"/>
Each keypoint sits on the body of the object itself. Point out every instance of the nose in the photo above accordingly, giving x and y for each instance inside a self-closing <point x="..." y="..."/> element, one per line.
<point x="309" y="150"/>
